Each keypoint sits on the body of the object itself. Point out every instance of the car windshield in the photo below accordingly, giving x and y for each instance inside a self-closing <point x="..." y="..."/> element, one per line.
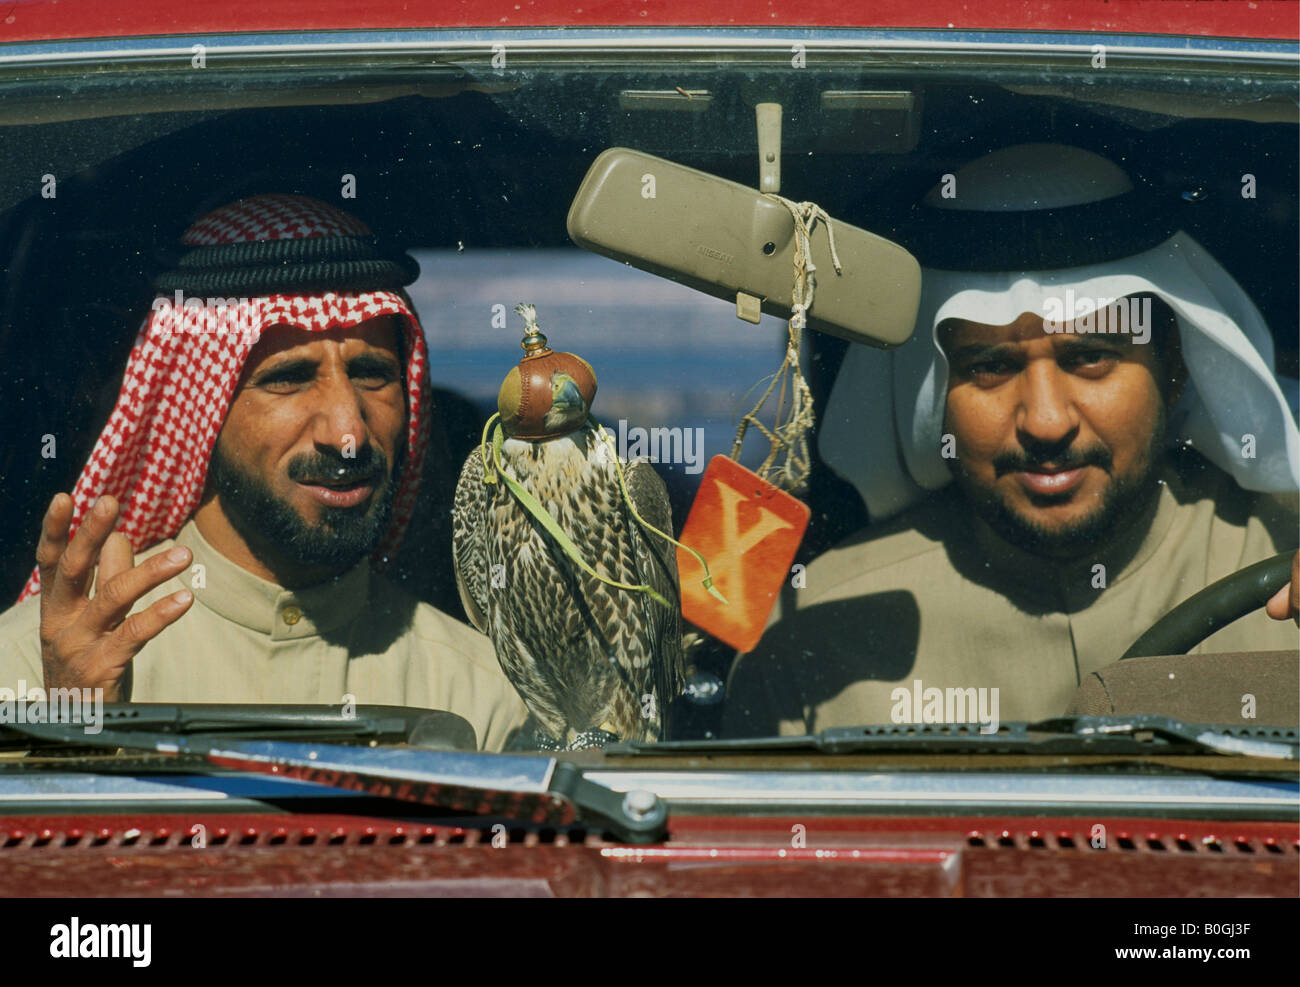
<point x="931" y="378"/>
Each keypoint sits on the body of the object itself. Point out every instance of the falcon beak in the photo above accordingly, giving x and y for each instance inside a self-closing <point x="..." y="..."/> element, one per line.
<point x="566" y="397"/>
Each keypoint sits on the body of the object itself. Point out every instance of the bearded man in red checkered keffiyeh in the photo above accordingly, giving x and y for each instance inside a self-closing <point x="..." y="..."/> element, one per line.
<point x="264" y="261"/>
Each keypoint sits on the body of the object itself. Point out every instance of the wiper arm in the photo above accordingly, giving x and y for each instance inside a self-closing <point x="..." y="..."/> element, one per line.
<point x="526" y="788"/>
<point x="1147" y="727"/>
<point x="1143" y="734"/>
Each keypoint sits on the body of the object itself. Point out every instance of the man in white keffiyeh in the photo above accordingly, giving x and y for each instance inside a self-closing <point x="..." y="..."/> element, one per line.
<point x="1102" y="392"/>
<point x="263" y="458"/>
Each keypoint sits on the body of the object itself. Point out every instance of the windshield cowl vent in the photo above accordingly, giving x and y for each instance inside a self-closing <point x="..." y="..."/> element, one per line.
<point x="240" y="835"/>
<point x="1084" y="840"/>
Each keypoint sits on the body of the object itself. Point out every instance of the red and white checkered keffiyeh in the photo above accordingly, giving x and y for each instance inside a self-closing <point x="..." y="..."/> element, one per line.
<point x="153" y="454"/>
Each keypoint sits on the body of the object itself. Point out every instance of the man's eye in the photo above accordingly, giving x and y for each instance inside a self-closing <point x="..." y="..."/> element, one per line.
<point x="373" y="378"/>
<point x="989" y="368"/>
<point x="285" y="381"/>
<point x="1090" y="358"/>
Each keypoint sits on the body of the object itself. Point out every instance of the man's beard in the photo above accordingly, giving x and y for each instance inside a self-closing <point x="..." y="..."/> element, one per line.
<point x="342" y="537"/>
<point x="1124" y="501"/>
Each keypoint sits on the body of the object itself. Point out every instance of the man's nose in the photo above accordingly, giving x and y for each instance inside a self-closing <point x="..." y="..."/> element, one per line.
<point x="339" y="422"/>
<point x="1046" y="412"/>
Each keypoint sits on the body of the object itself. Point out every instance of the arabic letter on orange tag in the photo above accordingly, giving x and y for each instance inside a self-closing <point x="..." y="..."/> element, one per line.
<point x="748" y="531"/>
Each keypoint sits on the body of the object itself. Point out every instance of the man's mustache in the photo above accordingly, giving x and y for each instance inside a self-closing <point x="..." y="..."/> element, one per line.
<point x="334" y="468"/>
<point x="1022" y="461"/>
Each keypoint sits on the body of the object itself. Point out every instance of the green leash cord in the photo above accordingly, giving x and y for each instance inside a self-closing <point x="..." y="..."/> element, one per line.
<point x="494" y="468"/>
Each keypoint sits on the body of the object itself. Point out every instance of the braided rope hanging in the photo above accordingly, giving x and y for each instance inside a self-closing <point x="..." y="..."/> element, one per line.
<point x="788" y="463"/>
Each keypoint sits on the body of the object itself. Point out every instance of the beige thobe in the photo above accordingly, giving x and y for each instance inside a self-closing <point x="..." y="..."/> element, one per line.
<point x="247" y="640"/>
<point x="936" y="595"/>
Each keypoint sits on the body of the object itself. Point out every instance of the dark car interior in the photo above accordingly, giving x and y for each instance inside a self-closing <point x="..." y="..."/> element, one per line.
<point x="495" y="166"/>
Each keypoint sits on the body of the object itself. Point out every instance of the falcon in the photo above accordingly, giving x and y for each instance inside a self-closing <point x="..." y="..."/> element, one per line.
<point x="594" y="659"/>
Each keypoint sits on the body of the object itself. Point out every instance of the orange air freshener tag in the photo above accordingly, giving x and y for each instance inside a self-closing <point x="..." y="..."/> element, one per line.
<point x="748" y="531"/>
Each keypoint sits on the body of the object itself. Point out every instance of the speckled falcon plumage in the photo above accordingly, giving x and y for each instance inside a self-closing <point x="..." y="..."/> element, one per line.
<point x="583" y="655"/>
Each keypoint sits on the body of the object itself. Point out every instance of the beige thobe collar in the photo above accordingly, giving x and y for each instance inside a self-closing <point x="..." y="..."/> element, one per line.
<point x="1073" y="584"/>
<point x="236" y="594"/>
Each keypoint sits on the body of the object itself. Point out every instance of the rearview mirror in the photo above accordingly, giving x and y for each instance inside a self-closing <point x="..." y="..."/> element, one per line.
<point x="728" y="240"/>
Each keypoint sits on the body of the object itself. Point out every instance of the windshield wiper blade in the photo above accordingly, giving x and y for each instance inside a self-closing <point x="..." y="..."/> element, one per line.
<point x="305" y="722"/>
<point x="520" y="787"/>
<point x="1143" y="734"/>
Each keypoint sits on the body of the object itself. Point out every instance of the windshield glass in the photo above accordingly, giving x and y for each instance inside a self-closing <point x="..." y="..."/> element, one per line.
<point x="929" y="382"/>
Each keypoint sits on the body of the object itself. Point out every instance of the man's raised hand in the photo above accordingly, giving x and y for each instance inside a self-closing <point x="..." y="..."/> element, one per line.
<point x="87" y="642"/>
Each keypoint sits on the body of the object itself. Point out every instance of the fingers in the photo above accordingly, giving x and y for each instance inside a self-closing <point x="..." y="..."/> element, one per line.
<point x="104" y="662"/>
<point x="116" y="558"/>
<point x="141" y="628"/>
<point x="1286" y="601"/>
<point x="54" y="537"/>
<point x="1295" y="588"/>
<point x="81" y="555"/>
<point x="92" y="649"/>
<point x="1276" y="606"/>
<point x="77" y="563"/>
<point x="116" y="596"/>
<point x="88" y="642"/>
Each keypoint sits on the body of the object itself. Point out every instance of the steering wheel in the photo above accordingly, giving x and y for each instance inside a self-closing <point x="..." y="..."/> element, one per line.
<point x="1213" y="608"/>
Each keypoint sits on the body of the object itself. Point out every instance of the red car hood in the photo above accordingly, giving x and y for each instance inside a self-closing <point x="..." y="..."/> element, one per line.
<point x="350" y="856"/>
